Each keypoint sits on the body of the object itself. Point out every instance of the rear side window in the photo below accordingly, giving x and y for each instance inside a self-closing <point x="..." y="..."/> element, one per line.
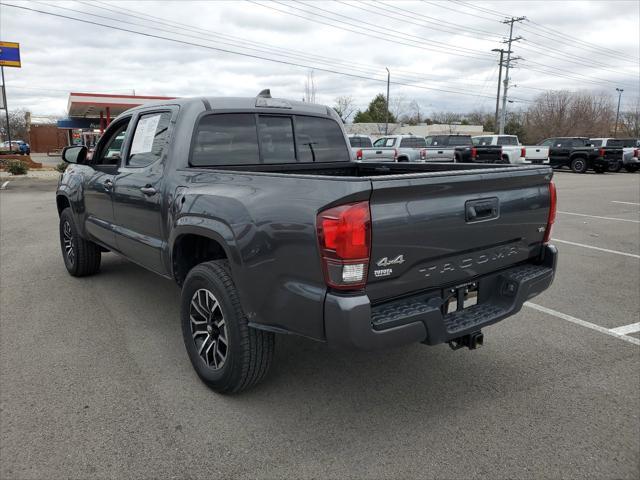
<point x="226" y="139"/>
<point x="420" y="142"/>
<point x="320" y="140"/>
<point x="360" y="142"/>
<point x="407" y="142"/>
<point x="149" y="139"/>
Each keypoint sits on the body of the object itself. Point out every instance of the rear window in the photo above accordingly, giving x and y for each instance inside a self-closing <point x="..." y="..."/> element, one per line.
<point x="459" y="140"/>
<point x="507" y="140"/>
<point x="480" y="141"/>
<point x="320" y="140"/>
<point x="232" y="139"/>
<point x="360" y="142"/>
<point x="621" y="142"/>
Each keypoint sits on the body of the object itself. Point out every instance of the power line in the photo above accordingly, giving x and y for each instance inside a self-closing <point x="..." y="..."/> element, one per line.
<point x="589" y="45"/>
<point x="382" y="34"/>
<point x="223" y="50"/>
<point x="367" y="68"/>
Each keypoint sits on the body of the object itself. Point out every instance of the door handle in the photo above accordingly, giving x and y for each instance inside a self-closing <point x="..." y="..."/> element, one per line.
<point x="108" y="184"/>
<point x="148" y="190"/>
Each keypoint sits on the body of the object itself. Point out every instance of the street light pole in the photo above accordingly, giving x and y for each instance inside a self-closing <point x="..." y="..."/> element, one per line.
<point x="615" y="129"/>
<point x="386" y="123"/>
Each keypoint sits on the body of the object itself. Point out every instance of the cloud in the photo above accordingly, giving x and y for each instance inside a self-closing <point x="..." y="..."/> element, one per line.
<point x="61" y="55"/>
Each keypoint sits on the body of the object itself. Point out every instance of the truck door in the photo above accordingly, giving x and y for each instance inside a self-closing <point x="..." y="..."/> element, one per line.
<point x="98" y="194"/>
<point x="137" y="198"/>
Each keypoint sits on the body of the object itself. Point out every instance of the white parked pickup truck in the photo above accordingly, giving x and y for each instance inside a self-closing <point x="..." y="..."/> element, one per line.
<point x="512" y="151"/>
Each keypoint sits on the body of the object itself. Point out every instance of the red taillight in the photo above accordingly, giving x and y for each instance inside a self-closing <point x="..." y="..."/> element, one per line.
<point x="636" y="153"/>
<point x="344" y="235"/>
<point x="359" y="155"/>
<point x="601" y="152"/>
<point x="474" y="153"/>
<point x="523" y="152"/>
<point x="395" y="154"/>
<point x="553" y="205"/>
<point x="423" y="154"/>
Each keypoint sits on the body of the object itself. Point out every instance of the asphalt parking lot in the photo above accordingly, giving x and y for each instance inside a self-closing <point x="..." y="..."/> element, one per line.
<point x="95" y="381"/>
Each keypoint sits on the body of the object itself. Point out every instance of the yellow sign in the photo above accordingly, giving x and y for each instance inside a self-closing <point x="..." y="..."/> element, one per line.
<point x="9" y="54"/>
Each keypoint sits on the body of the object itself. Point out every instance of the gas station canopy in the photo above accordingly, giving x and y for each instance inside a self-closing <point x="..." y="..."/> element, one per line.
<point x="91" y="105"/>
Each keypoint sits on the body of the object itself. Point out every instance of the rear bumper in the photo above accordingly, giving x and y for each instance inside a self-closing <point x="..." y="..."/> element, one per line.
<point x="351" y="322"/>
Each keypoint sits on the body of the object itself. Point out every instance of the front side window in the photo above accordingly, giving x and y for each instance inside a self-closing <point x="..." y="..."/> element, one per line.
<point x="379" y="142"/>
<point x="111" y="150"/>
<point x="226" y="139"/>
<point x="149" y="139"/>
<point x="320" y="140"/>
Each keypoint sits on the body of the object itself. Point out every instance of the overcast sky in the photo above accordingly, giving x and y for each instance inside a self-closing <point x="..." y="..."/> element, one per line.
<point x="427" y="45"/>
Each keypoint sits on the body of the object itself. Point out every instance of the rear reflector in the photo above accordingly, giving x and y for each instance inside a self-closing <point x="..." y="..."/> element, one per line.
<point x="553" y="205"/>
<point x="344" y="236"/>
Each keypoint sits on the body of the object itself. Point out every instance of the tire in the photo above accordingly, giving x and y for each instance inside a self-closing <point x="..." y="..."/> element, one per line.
<point x="631" y="168"/>
<point x="210" y="296"/>
<point x="81" y="257"/>
<point x="579" y="165"/>
<point x="615" y="167"/>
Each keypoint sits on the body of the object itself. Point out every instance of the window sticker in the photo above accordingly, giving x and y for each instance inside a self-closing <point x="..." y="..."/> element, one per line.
<point x="145" y="133"/>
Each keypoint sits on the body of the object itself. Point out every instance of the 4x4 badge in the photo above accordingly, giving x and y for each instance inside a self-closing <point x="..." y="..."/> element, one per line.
<point x="385" y="262"/>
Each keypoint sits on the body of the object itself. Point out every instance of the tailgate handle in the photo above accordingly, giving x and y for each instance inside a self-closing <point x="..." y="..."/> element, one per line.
<point x="483" y="209"/>
<point x="378" y="152"/>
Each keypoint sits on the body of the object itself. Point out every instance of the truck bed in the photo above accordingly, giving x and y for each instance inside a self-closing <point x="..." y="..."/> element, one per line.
<point x="357" y="169"/>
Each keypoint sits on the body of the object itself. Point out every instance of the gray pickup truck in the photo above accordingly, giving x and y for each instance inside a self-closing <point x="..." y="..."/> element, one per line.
<point x="394" y="148"/>
<point x="255" y="208"/>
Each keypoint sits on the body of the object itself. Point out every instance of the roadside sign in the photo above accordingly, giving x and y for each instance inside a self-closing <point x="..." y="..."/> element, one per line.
<point x="10" y="54"/>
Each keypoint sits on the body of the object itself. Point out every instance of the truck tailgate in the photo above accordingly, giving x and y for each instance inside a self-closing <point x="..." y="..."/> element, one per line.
<point x="445" y="229"/>
<point x="536" y="154"/>
<point x="378" y="154"/>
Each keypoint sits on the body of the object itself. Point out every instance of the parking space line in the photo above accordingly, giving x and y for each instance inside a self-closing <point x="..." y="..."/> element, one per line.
<point x="627" y="329"/>
<point x="4" y="185"/>
<point x="625" y="203"/>
<point x="601" y="218"/>
<point x="582" y="323"/>
<point x="632" y="255"/>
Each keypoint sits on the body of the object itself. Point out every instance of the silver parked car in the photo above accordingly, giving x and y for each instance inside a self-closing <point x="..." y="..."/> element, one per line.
<point x="394" y="148"/>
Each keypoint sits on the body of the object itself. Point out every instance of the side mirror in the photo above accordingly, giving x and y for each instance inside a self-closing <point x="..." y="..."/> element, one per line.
<point x="74" y="154"/>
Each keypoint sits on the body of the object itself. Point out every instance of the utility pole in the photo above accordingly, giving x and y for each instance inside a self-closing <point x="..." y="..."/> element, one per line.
<point x="495" y="119"/>
<point x="6" y="108"/>
<point x="386" y="123"/>
<point x="615" y="131"/>
<point x="510" y="21"/>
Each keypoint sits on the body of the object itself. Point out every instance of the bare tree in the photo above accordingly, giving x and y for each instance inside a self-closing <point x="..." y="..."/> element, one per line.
<point x="18" y="124"/>
<point x="345" y="107"/>
<point x="446" y="118"/>
<point x="564" y="113"/>
<point x="630" y="121"/>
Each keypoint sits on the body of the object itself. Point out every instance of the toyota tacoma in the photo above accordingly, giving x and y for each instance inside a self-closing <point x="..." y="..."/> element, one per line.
<point x="255" y="208"/>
